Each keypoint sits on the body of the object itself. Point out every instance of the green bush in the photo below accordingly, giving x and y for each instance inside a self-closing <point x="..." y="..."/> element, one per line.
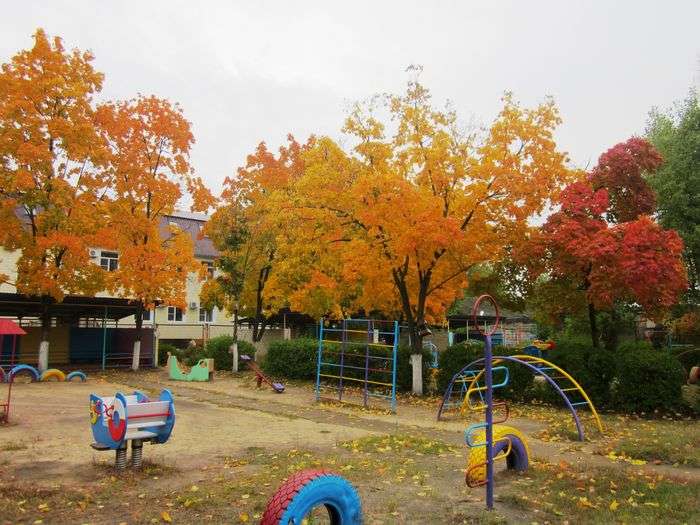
<point x="293" y="359"/>
<point x="456" y="357"/>
<point x="217" y="348"/>
<point x="163" y="349"/>
<point x="520" y="385"/>
<point x="297" y="359"/>
<point x="647" y="380"/>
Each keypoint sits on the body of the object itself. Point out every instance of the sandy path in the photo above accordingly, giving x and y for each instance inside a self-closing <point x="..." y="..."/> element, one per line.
<point x="50" y="432"/>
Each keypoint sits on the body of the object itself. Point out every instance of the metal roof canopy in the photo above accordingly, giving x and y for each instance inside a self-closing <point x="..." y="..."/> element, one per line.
<point x="70" y="310"/>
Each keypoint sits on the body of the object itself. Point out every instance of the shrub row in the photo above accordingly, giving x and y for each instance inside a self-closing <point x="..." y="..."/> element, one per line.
<point x="634" y="378"/>
<point x="297" y="359"/>
<point x="216" y="348"/>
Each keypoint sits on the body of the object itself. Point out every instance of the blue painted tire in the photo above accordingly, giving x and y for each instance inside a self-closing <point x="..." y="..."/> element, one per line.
<point x="75" y="374"/>
<point x="21" y="368"/>
<point x="309" y="489"/>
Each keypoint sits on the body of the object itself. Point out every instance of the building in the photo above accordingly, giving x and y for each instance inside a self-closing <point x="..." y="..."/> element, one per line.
<point x="96" y="330"/>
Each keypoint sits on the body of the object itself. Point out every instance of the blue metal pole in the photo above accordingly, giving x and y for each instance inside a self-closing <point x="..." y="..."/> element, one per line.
<point x="393" y="370"/>
<point x="488" y="357"/>
<point x="318" y="362"/>
<point x="343" y="339"/>
<point x="104" y="339"/>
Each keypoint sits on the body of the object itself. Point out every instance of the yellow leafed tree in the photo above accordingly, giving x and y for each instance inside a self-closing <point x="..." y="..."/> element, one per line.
<point x="394" y="223"/>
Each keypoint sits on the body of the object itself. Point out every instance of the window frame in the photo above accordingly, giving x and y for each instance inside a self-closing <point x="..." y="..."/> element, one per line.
<point x="210" y="269"/>
<point x="175" y="310"/>
<point x="112" y="260"/>
<point x="211" y="315"/>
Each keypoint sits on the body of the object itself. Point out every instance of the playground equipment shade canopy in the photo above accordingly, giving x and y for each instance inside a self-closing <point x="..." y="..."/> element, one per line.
<point x="8" y="327"/>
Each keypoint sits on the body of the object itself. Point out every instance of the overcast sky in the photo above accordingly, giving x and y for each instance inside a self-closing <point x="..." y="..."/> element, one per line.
<point x="255" y="71"/>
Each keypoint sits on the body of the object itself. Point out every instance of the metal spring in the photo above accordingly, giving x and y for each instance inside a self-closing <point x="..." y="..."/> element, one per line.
<point x="120" y="461"/>
<point x="136" y="454"/>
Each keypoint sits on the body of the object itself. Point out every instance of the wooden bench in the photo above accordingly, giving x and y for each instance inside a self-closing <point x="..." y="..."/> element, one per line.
<point x="122" y="418"/>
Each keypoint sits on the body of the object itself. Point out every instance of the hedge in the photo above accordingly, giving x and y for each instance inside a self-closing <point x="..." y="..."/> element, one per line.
<point x="297" y="359"/>
<point x="218" y="349"/>
<point x="293" y="358"/>
<point x="647" y="380"/>
<point x="634" y="378"/>
<point x="457" y="356"/>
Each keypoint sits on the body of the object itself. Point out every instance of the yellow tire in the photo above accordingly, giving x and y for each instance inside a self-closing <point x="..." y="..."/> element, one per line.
<point x="52" y="373"/>
<point x="509" y="444"/>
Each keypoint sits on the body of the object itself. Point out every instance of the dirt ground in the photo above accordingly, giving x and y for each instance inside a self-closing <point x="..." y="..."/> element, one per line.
<point x="233" y="444"/>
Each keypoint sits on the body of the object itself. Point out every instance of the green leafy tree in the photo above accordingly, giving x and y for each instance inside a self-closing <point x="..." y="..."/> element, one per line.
<point x="676" y="134"/>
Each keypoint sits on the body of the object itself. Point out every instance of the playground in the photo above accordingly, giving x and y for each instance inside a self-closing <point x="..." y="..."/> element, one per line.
<point x="234" y="444"/>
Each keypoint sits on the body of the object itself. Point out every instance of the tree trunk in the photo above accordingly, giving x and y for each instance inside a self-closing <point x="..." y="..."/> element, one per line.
<point x="43" y="363"/>
<point x="595" y="336"/>
<point x="611" y="332"/>
<point x="259" y="328"/>
<point x="136" y="353"/>
<point x="234" y="349"/>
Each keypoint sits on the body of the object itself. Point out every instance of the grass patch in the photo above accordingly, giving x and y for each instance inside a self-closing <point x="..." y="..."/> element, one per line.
<point x="401" y="444"/>
<point x="676" y="442"/>
<point x="559" y="492"/>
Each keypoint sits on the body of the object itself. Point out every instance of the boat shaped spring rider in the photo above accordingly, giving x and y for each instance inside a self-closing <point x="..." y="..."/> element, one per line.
<point x="117" y="420"/>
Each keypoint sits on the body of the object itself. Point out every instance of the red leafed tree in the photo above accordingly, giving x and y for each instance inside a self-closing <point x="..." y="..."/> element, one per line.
<point x="605" y="248"/>
<point x="621" y="171"/>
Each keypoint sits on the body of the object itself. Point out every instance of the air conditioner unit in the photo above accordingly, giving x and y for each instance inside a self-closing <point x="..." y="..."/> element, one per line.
<point x="193" y="306"/>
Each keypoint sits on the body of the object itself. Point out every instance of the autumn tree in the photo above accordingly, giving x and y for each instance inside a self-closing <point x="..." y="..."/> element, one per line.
<point x="598" y="252"/>
<point x="415" y="203"/>
<point x="50" y="184"/>
<point x="247" y="229"/>
<point x="149" y="141"/>
<point x="676" y="135"/>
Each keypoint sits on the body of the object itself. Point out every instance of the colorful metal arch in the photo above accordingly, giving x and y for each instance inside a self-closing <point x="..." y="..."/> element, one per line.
<point x="528" y="361"/>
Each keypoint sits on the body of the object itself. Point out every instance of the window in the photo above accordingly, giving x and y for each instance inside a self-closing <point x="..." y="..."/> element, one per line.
<point x="109" y="260"/>
<point x="206" y="316"/>
<point x="210" y="268"/>
<point x="174" y="314"/>
<point x="146" y="315"/>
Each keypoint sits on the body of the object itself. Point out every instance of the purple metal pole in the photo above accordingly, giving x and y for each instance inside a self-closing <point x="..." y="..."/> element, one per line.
<point x="488" y="357"/>
<point x="369" y="338"/>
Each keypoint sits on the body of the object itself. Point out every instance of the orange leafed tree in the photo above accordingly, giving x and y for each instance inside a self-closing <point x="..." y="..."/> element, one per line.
<point x="50" y="181"/>
<point x="398" y="220"/>
<point x="248" y="229"/>
<point x="149" y="141"/>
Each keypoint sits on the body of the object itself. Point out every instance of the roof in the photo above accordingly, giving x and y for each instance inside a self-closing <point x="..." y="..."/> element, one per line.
<point x="9" y="327"/>
<point x="462" y="309"/>
<point x="192" y="223"/>
<point x="71" y="309"/>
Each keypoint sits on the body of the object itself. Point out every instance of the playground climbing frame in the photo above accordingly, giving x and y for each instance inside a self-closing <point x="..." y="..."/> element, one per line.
<point x="357" y="353"/>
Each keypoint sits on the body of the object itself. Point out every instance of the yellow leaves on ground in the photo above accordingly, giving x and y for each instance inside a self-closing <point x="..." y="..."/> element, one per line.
<point x="165" y="516"/>
<point x="613" y="505"/>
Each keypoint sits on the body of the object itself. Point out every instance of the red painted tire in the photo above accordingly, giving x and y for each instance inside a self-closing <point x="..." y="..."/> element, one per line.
<point x="310" y="489"/>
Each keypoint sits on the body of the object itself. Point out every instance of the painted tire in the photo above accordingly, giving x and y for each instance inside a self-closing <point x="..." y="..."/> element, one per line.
<point x="518" y="459"/>
<point x="75" y="374"/>
<point x="23" y="368"/>
<point x="117" y="421"/>
<point x="308" y="489"/>
<point x="51" y="373"/>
